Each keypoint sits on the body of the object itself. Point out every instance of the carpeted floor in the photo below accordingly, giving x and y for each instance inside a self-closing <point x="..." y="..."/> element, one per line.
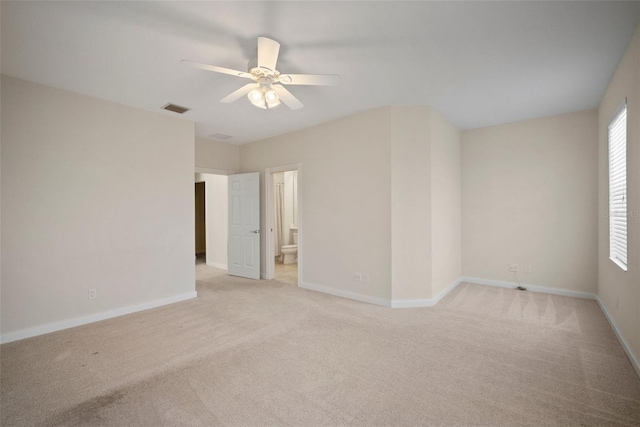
<point x="267" y="353"/>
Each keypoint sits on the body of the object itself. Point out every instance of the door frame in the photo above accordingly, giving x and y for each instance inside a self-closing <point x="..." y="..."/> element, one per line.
<point x="269" y="253"/>
<point x="213" y="171"/>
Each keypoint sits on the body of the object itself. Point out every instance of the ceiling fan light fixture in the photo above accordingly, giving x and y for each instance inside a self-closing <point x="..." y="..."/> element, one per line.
<point x="255" y="95"/>
<point x="264" y="97"/>
<point x="274" y="103"/>
<point x="259" y="104"/>
<point x="270" y="95"/>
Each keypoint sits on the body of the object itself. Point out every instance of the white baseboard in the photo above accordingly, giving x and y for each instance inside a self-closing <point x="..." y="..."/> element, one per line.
<point x="625" y="345"/>
<point x="78" y="321"/>
<point x="532" y="288"/>
<point x="407" y="303"/>
<point x="379" y="301"/>
<point x="412" y="303"/>
<point x="219" y="265"/>
<point x="433" y="301"/>
<point x="345" y="294"/>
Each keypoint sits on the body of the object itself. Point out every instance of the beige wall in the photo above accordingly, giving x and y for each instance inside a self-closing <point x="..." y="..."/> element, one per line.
<point x="94" y="195"/>
<point x="410" y="203"/>
<point x="346" y="199"/>
<point x="366" y="202"/>
<point x="446" y="204"/>
<point x="528" y="197"/>
<point x="211" y="154"/>
<point x="619" y="291"/>
<point x="425" y="203"/>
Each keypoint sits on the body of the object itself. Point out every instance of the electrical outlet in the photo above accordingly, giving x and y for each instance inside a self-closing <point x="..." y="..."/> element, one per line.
<point x="92" y="293"/>
<point x="365" y="278"/>
<point x="513" y="267"/>
<point x="357" y="276"/>
<point x="527" y="269"/>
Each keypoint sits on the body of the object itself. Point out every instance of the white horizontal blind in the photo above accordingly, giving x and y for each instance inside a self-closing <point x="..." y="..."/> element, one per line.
<point x="618" y="188"/>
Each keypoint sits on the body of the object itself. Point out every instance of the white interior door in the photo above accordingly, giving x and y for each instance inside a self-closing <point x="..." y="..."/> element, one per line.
<point x="244" y="225"/>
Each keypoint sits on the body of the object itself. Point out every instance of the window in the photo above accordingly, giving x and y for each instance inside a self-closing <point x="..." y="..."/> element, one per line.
<point x="618" y="187"/>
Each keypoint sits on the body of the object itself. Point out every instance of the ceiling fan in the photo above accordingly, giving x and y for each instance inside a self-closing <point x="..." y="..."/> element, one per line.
<point x="267" y="91"/>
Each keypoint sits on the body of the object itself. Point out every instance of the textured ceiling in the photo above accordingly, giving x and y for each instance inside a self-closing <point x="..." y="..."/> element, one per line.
<point x="478" y="63"/>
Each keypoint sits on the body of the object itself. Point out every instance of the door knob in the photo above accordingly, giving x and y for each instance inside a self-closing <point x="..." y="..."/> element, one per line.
<point x="255" y="231"/>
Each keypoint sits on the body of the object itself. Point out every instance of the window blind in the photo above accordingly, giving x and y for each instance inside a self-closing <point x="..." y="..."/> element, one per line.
<point x="618" y="187"/>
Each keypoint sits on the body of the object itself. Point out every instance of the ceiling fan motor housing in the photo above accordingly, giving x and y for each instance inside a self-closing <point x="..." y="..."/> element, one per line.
<point x="259" y="72"/>
<point x="265" y="81"/>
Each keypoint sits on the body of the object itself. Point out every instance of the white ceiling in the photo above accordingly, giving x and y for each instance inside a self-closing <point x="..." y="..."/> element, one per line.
<point x="478" y="63"/>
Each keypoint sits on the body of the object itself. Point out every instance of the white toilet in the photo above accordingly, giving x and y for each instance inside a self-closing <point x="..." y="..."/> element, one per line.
<point x="290" y="252"/>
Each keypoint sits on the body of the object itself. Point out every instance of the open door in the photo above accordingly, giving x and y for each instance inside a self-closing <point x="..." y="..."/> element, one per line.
<point x="244" y="225"/>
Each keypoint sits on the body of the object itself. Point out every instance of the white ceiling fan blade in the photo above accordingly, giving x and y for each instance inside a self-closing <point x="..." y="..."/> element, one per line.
<point x="217" y="69"/>
<point x="234" y="96"/>
<point x="310" y="79"/>
<point x="268" y="53"/>
<point x="287" y="97"/>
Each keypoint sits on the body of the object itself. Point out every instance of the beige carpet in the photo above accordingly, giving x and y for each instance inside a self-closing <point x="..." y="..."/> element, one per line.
<point x="266" y="353"/>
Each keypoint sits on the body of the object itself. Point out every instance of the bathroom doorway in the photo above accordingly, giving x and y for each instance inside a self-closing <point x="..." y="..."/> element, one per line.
<point x="283" y="242"/>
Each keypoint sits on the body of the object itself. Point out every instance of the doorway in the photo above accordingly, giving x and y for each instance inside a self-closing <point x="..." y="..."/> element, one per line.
<point x="201" y="224"/>
<point x="211" y="223"/>
<point x="283" y="245"/>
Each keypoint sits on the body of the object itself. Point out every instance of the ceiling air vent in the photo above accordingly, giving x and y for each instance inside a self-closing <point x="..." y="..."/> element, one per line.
<point x="176" y="108"/>
<point x="220" y="136"/>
